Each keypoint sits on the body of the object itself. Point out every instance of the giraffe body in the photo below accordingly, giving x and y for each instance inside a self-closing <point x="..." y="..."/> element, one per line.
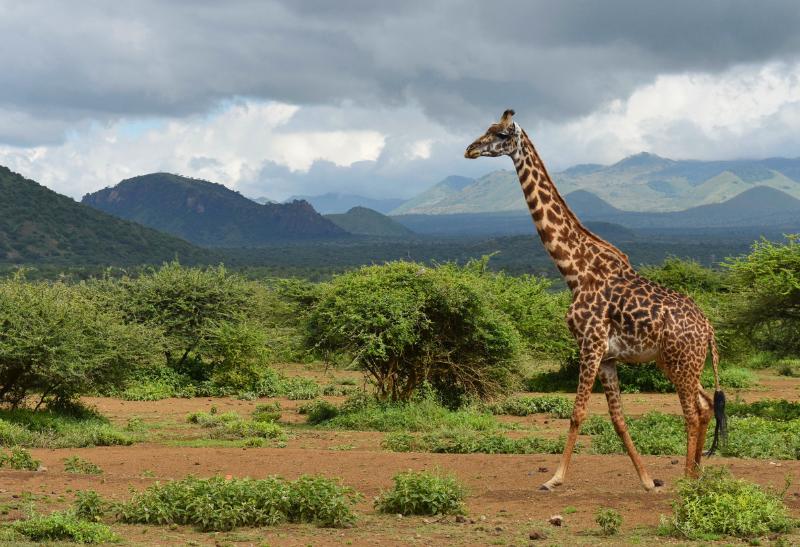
<point x="616" y="315"/>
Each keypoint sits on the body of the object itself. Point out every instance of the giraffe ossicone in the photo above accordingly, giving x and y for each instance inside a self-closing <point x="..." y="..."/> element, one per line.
<point x="616" y="315"/>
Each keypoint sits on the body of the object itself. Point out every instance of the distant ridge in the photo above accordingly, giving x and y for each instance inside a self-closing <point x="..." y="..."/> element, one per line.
<point x="642" y="182"/>
<point x="334" y="203"/>
<point x="366" y="222"/>
<point x="38" y="225"/>
<point x="209" y="214"/>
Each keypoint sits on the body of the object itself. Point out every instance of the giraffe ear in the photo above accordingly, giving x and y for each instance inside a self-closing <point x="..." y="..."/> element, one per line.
<point x="506" y="120"/>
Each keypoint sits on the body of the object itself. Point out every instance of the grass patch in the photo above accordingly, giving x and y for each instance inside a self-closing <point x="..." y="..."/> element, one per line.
<point x="89" y="505"/>
<point x="470" y="442"/>
<point x="363" y="413"/>
<point x="609" y="521"/>
<point x="231" y="426"/>
<point x="555" y="405"/>
<point x="64" y="526"/>
<point x="664" y="434"/>
<point x="76" y="464"/>
<point x="716" y="505"/>
<point x="20" y="459"/>
<point x="422" y="493"/>
<point x="49" y="429"/>
<point x="774" y="409"/>
<point x="270" y="412"/>
<point x="216" y="504"/>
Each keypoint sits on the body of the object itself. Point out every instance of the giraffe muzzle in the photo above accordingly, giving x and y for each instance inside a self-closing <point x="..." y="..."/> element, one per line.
<point x="472" y="152"/>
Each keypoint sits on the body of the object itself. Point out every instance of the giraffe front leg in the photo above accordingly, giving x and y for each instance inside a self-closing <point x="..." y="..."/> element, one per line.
<point x="590" y="363"/>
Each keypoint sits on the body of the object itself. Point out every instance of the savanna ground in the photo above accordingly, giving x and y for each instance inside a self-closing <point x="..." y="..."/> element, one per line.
<point x="503" y="505"/>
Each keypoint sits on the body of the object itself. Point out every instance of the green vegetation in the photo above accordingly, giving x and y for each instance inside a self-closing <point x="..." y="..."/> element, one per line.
<point x="459" y="441"/>
<point x="219" y="504"/>
<point x="422" y="493"/>
<point x="64" y="526"/>
<point x="661" y="434"/>
<point x="368" y="222"/>
<point x="76" y="464"/>
<point x="51" y="429"/>
<point x="774" y="409"/>
<point x="19" y="458"/>
<point x="554" y="405"/>
<point x="89" y="505"/>
<point x="405" y="324"/>
<point x="609" y="521"/>
<point x="232" y="426"/>
<point x="716" y="505"/>
<point x="424" y="413"/>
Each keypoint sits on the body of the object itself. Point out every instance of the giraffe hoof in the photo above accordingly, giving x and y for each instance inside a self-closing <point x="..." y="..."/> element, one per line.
<point x="658" y="482"/>
<point x="545" y="488"/>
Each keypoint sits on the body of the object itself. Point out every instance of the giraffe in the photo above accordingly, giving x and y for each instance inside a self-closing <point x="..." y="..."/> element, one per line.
<point x="616" y="315"/>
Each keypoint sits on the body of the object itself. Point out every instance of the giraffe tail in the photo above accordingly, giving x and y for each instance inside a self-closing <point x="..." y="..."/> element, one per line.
<point x="721" y="421"/>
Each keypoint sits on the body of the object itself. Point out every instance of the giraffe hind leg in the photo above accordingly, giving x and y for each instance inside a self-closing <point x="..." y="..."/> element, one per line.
<point x="610" y="381"/>
<point x="705" y="409"/>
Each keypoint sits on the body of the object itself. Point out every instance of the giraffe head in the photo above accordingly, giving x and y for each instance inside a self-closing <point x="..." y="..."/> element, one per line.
<point x="501" y="139"/>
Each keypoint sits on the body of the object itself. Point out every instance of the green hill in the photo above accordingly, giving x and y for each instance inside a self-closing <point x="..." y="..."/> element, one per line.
<point x="38" y="225"/>
<point x="643" y="182"/>
<point x="363" y="221"/>
<point x="210" y="214"/>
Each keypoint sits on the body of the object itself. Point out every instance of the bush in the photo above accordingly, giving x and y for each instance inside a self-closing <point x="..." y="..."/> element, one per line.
<point x="767" y="304"/>
<point x="755" y="437"/>
<point x="472" y="442"/>
<point x="555" y="405"/>
<point x="89" y="505"/>
<point x="716" y="504"/>
<point x="49" y="429"/>
<point x="685" y="276"/>
<point x="609" y="521"/>
<point x="267" y="412"/>
<point x="422" y="493"/>
<point x="76" y="464"/>
<point x="421" y="414"/>
<point x="219" y="504"/>
<point x="231" y="426"/>
<point x="64" y="526"/>
<point x="774" y="409"/>
<point x="321" y="411"/>
<point x="405" y="324"/>
<point x="57" y="342"/>
<point x="20" y="459"/>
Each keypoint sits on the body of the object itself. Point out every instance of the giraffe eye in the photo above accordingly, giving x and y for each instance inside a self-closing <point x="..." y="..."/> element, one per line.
<point x="503" y="135"/>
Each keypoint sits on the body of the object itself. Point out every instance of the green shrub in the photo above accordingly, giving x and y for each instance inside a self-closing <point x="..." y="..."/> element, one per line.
<point x="267" y="412"/>
<point x="420" y="414"/>
<point x="64" y="526"/>
<point x="19" y="458"/>
<point x="717" y="505"/>
<point x="767" y="303"/>
<point x="685" y="276"/>
<point x="555" y="405"/>
<point x="232" y="426"/>
<point x="406" y="323"/>
<point x="609" y="521"/>
<point x="755" y="437"/>
<point x="400" y="441"/>
<point x="219" y="504"/>
<point x="730" y="377"/>
<point x="89" y="505"/>
<point x="422" y="493"/>
<point x="471" y="442"/>
<point x="645" y="378"/>
<point x="76" y="464"/>
<point x="774" y="409"/>
<point x="57" y="342"/>
<point x="49" y="429"/>
<point x="297" y="388"/>
<point x="321" y="411"/>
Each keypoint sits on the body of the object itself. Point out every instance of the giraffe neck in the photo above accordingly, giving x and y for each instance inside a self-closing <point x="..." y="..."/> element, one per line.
<point x="582" y="257"/>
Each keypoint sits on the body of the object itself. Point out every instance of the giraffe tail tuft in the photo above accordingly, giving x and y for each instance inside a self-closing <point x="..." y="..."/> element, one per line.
<point x="721" y="421"/>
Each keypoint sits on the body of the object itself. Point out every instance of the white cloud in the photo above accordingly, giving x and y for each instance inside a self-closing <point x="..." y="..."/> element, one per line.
<point x="228" y="146"/>
<point x="748" y="111"/>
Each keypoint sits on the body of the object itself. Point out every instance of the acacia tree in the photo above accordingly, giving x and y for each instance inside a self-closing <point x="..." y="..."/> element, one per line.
<point x="767" y="304"/>
<point x="56" y="342"/>
<point x="405" y="324"/>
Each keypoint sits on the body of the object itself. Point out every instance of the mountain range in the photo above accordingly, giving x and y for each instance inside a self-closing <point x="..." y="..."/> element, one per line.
<point x="367" y="222"/>
<point x="38" y="225"/>
<point x="209" y="214"/>
<point x="643" y="182"/>
<point x="334" y="203"/>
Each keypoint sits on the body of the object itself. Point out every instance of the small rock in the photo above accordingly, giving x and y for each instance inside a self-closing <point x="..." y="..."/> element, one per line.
<point x="399" y="515"/>
<point x="41" y="468"/>
<point x="498" y="529"/>
<point x="675" y="462"/>
<point x="461" y="519"/>
<point x="556" y="520"/>
<point x="536" y="534"/>
<point x="483" y="517"/>
<point x="543" y="470"/>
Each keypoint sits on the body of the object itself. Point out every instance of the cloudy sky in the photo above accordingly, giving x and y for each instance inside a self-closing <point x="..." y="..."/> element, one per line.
<point x="277" y="98"/>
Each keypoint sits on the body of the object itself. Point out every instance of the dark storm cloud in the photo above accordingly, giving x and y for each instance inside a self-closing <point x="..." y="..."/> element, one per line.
<point x="458" y="61"/>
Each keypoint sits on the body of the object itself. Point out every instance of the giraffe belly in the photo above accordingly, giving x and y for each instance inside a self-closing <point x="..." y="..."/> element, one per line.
<point x="630" y="350"/>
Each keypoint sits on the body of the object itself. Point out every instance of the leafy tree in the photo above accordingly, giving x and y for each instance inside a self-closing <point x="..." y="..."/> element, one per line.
<point x="58" y="343"/>
<point x="767" y="304"/>
<point x="686" y="276"/>
<point x="405" y="324"/>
